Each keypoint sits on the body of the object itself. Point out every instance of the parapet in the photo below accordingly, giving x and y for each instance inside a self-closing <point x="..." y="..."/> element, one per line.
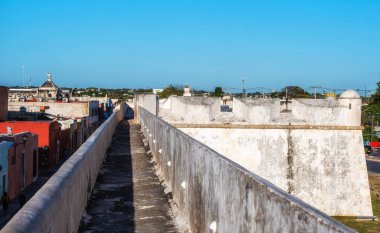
<point x="195" y="110"/>
<point x="344" y="111"/>
<point x="256" y="111"/>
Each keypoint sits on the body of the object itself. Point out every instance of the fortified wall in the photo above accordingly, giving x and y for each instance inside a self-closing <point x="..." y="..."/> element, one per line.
<point x="211" y="193"/>
<point x="312" y="150"/>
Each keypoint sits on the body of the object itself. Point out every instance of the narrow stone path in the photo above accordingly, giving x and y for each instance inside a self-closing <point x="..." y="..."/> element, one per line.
<point x="127" y="196"/>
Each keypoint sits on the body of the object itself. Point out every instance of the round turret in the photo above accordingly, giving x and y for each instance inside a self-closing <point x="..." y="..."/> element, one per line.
<point x="349" y="94"/>
<point x="351" y="114"/>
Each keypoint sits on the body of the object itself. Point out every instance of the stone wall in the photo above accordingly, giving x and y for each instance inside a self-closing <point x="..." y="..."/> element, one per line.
<point x="58" y="206"/>
<point x="256" y="111"/>
<point x="194" y="109"/>
<point x="324" y="167"/>
<point x="149" y="101"/>
<point x="212" y="192"/>
<point x="74" y="109"/>
<point x="345" y="111"/>
<point x="327" y="111"/>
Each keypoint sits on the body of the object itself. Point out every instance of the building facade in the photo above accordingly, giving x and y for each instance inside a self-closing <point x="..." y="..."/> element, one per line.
<point x="22" y="158"/>
<point x="3" y="103"/>
<point x="48" y="138"/>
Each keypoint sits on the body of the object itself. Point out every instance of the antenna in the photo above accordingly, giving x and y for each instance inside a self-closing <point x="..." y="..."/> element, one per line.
<point x="30" y="80"/>
<point x="22" y="70"/>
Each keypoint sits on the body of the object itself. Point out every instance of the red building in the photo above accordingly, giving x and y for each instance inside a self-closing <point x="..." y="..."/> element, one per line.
<point x="3" y="103"/>
<point x="48" y="138"/>
<point x="22" y="161"/>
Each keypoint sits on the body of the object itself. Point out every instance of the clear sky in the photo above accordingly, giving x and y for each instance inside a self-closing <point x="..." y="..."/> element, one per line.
<point x="121" y="43"/>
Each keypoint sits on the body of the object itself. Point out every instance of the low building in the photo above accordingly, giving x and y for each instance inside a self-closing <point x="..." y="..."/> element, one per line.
<point x="22" y="167"/>
<point x="48" y="138"/>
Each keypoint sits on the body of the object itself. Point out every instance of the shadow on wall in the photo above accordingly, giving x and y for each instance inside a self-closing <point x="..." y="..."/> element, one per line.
<point x="129" y="113"/>
<point x="111" y="203"/>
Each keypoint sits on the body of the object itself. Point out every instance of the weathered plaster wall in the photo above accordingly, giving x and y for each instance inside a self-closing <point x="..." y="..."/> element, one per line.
<point x="264" y="111"/>
<point x="211" y="190"/>
<point x="58" y="206"/>
<point x="194" y="109"/>
<point x="325" y="168"/>
<point x="149" y="101"/>
<point x="75" y="109"/>
<point x="328" y="111"/>
<point x="256" y="111"/>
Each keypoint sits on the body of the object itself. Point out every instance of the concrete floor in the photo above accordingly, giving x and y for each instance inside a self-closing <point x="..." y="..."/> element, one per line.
<point x="127" y="196"/>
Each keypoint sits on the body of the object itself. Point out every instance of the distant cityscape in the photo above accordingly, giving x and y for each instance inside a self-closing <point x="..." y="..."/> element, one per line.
<point x="41" y="127"/>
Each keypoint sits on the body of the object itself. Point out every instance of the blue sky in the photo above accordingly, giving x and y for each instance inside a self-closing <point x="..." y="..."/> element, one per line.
<point x="120" y="43"/>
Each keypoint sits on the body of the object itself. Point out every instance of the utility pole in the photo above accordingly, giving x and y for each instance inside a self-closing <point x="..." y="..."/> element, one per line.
<point x="244" y="91"/>
<point x="22" y="70"/>
<point x="373" y="119"/>
<point x="315" y="90"/>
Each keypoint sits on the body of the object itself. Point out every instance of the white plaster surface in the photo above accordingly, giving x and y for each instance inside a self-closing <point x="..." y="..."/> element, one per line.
<point x="75" y="109"/>
<point x="194" y="109"/>
<point x="221" y="191"/>
<point x="256" y="111"/>
<point x="345" y="111"/>
<point x="325" y="168"/>
<point x="149" y="101"/>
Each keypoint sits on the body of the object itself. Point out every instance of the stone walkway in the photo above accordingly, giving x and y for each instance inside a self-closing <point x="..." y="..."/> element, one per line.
<point x="127" y="196"/>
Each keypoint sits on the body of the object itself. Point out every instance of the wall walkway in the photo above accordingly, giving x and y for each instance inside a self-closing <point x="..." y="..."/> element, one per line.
<point x="127" y="196"/>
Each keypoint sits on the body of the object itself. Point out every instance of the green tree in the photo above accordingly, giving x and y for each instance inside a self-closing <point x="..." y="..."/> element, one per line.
<point x="375" y="98"/>
<point x="171" y="90"/>
<point x="294" y="92"/>
<point x="218" y="92"/>
<point x="371" y="115"/>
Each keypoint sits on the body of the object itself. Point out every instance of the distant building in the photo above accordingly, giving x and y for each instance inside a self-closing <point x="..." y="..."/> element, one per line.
<point x="48" y="90"/>
<point x="45" y="92"/>
<point x="186" y="90"/>
<point x="3" y="103"/>
<point x="156" y="91"/>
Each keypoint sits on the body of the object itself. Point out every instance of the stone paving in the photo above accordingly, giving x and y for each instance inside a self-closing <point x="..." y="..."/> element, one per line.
<point x="127" y="196"/>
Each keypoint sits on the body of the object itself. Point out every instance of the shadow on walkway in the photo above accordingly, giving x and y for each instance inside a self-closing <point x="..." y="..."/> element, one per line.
<point x="127" y="196"/>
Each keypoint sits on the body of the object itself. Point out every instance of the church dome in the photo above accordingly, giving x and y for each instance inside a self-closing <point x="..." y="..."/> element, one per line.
<point x="49" y="82"/>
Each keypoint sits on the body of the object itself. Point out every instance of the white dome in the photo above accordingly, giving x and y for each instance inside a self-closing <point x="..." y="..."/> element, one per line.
<point x="349" y="94"/>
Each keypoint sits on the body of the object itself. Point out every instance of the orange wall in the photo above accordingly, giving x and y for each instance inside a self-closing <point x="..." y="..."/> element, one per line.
<point x="42" y="128"/>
